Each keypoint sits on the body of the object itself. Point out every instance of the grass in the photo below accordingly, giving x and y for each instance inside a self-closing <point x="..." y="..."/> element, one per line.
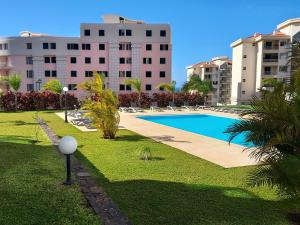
<point x="31" y="173"/>
<point x="174" y="187"/>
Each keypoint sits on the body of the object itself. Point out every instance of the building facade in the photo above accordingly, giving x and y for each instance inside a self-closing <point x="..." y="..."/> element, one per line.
<point x="259" y="57"/>
<point x="119" y="48"/>
<point x="218" y="71"/>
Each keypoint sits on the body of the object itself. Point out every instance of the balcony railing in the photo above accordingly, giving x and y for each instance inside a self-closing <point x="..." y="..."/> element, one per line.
<point x="4" y="65"/>
<point x="273" y="47"/>
<point x="271" y="60"/>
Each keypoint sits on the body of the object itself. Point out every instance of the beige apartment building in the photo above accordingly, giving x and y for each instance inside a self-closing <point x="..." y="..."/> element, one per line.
<point x="259" y="57"/>
<point x="218" y="71"/>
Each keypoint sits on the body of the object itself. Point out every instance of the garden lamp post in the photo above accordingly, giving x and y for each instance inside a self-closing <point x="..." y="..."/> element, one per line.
<point x="65" y="89"/>
<point x="68" y="146"/>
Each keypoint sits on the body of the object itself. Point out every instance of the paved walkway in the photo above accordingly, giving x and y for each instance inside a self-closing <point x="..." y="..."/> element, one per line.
<point x="210" y="149"/>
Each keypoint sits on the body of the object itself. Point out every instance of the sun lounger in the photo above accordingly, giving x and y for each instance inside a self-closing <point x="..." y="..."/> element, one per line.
<point x="188" y="107"/>
<point x="154" y="107"/>
<point x="172" y="107"/>
<point x="134" y="108"/>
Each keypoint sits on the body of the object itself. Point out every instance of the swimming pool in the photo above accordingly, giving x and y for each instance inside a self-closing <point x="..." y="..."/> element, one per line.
<point x="206" y="125"/>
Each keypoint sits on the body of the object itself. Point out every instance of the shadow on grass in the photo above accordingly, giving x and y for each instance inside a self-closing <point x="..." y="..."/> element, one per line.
<point x="156" y="202"/>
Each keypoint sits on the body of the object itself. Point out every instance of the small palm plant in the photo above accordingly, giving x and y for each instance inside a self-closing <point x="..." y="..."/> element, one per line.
<point x="169" y="87"/>
<point x="102" y="106"/>
<point x="136" y="84"/>
<point x="145" y="154"/>
<point x="14" y="82"/>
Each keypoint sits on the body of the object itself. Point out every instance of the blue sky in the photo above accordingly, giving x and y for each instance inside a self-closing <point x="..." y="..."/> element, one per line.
<point x="201" y="29"/>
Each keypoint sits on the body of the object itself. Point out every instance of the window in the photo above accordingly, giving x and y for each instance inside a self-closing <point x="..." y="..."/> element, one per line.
<point x="148" y="74"/>
<point x="45" y="45"/>
<point x="243" y="92"/>
<point x="244" y="68"/>
<point x="54" y="73"/>
<point x="29" y="60"/>
<point x="3" y="46"/>
<point x="86" y="46"/>
<point x="128" y="73"/>
<point x="87" y="60"/>
<point x="122" y="73"/>
<point x="88" y="73"/>
<point x="147" y="60"/>
<point x="253" y="44"/>
<point x="47" y="59"/>
<point x="124" y="46"/>
<point x="148" y="33"/>
<point x="73" y="46"/>
<point x="244" y="80"/>
<point x="101" y="60"/>
<point x="164" y="47"/>
<point x="148" y="47"/>
<point x="148" y="87"/>
<point x="282" y="43"/>
<point x="162" y="60"/>
<point x="72" y="87"/>
<point x="101" y="33"/>
<point x="101" y="46"/>
<point x="29" y="73"/>
<point x="122" y="60"/>
<point x="128" y="33"/>
<point x="29" y="45"/>
<point x="207" y="70"/>
<point x="128" y="87"/>
<point x="163" y="33"/>
<point x="87" y="32"/>
<point x="73" y="73"/>
<point x="268" y="45"/>
<point x="73" y="60"/>
<point x="283" y="69"/>
<point x="30" y="87"/>
<point x="121" y="32"/>
<point x="244" y="56"/>
<point x="47" y="73"/>
<point x="128" y="60"/>
<point x="53" y="45"/>
<point x="122" y="87"/>
<point x="105" y="73"/>
<point x="162" y="74"/>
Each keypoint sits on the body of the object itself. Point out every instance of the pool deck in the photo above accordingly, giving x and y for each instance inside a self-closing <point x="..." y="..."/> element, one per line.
<point x="213" y="150"/>
<point x="210" y="149"/>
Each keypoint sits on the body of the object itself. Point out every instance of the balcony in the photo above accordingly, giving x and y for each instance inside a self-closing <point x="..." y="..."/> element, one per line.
<point x="273" y="47"/>
<point x="270" y="60"/>
<point x="4" y="65"/>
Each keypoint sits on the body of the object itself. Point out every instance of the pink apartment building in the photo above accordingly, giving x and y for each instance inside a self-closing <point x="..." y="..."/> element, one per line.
<point x="119" y="48"/>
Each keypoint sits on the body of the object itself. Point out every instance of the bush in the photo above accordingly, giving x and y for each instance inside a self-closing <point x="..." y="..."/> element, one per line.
<point x="162" y="99"/>
<point x="35" y="101"/>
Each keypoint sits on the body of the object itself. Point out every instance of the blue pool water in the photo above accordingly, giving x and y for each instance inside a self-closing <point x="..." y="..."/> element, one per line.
<point x="206" y="125"/>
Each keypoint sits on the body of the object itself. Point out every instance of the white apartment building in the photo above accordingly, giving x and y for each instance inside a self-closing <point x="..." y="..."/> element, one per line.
<point x="259" y="57"/>
<point x="218" y="71"/>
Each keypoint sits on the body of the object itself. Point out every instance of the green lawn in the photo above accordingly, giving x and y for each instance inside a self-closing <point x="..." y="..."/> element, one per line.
<point x="31" y="177"/>
<point x="175" y="188"/>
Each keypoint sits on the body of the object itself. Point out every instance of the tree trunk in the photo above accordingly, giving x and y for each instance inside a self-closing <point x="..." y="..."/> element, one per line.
<point x="16" y="102"/>
<point x="173" y="96"/>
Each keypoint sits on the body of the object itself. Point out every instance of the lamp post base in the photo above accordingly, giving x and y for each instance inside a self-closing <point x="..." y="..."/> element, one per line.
<point x="68" y="180"/>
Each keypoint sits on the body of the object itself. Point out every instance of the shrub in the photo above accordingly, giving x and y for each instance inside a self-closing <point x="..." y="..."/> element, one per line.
<point x="162" y="99"/>
<point x="34" y="101"/>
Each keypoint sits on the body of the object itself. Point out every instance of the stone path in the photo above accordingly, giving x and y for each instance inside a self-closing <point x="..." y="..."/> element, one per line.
<point x="107" y="211"/>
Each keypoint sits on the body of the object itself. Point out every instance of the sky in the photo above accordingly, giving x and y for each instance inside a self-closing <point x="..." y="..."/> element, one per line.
<point x="201" y="29"/>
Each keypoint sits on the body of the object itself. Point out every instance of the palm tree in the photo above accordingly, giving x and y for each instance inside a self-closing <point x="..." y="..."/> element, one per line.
<point x="14" y="82"/>
<point x="136" y="84"/>
<point x="196" y="84"/>
<point x="169" y="87"/>
<point x="53" y="86"/>
<point x="102" y="106"/>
